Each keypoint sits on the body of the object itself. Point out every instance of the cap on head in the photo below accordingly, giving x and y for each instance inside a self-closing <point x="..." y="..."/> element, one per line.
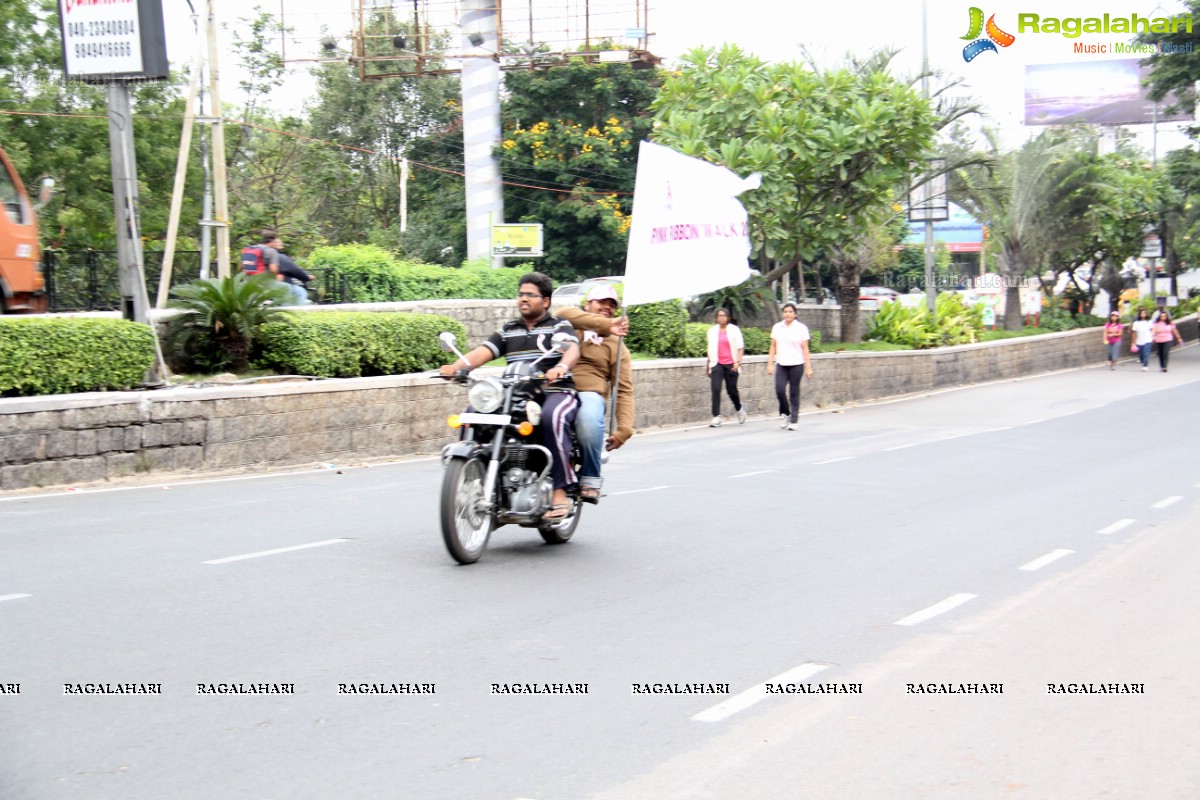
<point x="603" y="292"/>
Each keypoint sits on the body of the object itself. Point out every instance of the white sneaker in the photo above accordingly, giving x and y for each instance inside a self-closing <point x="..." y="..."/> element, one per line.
<point x="741" y="416"/>
<point x="793" y="426"/>
<point x="783" y="420"/>
<point x="716" y="423"/>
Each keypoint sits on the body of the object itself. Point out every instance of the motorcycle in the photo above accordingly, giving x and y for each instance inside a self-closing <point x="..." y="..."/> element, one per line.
<point x="498" y="473"/>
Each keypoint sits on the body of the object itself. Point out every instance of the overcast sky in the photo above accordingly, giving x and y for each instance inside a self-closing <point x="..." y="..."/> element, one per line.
<point x="763" y="27"/>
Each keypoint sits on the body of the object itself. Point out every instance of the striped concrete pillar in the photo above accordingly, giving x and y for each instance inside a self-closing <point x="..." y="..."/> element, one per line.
<point x="481" y="126"/>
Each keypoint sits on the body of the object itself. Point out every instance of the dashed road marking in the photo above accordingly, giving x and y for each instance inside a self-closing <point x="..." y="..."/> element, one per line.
<point x="1038" y="563"/>
<point x="638" y="491"/>
<point x="1116" y="526"/>
<point x="934" y="610"/>
<point x="275" y="551"/>
<point x="743" y="700"/>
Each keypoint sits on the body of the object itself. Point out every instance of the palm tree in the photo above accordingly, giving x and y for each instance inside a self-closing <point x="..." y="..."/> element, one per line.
<point x="222" y="316"/>
<point x="749" y="298"/>
<point x="1023" y="202"/>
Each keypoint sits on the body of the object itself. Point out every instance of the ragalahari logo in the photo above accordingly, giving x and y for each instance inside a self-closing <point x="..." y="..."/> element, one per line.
<point x="995" y="36"/>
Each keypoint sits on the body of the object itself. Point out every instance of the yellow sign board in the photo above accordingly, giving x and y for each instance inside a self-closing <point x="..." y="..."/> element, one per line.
<point x="517" y="240"/>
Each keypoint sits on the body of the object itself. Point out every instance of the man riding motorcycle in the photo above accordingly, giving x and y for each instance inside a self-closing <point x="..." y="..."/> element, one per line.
<point x="524" y="339"/>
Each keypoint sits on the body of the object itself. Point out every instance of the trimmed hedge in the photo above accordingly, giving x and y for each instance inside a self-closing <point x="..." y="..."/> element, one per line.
<point x="373" y="275"/>
<point x="60" y="356"/>
<point x="350" y="344"/>
<point x="695" y="340"/>
<point x="657" y="328"/>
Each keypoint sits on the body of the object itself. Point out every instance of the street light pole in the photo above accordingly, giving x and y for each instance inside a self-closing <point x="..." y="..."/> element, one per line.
<point x="930" y="289"/>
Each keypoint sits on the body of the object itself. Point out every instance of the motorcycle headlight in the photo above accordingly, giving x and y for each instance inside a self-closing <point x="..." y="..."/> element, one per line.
<point x="485" y="395"/>
<point x="533" y="412"/>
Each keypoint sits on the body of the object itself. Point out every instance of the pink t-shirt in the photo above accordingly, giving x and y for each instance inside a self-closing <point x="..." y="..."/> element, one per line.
<point x="1112" y="332"/>
<point x="724" y="351"/>
<point x="1164" y="331"/>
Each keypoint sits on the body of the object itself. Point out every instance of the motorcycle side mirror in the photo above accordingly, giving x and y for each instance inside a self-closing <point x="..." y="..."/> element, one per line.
<point x="561" y="342"/>
<point x="448" y="341"/>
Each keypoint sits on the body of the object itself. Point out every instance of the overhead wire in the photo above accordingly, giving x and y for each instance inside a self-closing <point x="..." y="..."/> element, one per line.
<point x="366" y="150"/>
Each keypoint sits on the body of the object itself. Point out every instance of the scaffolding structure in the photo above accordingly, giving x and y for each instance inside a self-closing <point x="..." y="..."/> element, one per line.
<point x="409" y="38"/>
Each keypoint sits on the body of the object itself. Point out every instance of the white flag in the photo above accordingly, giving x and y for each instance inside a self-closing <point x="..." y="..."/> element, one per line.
<point x="689" y="233"/>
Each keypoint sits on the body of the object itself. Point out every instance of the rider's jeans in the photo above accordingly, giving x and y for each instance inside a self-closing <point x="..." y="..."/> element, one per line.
<point x="589" y="430"/>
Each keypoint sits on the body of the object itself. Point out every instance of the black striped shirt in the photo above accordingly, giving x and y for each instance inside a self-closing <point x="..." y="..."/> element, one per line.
<point x="517" y="343"/>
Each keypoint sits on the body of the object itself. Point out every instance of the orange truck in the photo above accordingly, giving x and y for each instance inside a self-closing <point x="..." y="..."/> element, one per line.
<point x="22" y="287"/>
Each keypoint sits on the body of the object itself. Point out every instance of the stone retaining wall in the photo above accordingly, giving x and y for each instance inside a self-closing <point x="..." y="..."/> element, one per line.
<point x="85" y="438"/>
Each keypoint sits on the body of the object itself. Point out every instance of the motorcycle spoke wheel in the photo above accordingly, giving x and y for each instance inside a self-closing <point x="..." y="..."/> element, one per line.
<point x="465" y="528"/>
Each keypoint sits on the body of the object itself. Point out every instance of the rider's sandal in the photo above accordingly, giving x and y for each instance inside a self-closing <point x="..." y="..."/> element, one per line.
<point x="557" y="512"/>
<point x="590" y="495"/>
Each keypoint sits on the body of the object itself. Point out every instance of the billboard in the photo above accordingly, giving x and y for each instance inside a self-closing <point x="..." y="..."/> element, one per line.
<point x="1094" y="93"/>
<point x="107" y="40"/>
<point x="514" y="240"/>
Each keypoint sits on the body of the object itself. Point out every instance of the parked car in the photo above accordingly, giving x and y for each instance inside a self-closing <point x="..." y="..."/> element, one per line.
<point x="565" y="295"/>
<point x="880" y="293"/>
<point x="573" y="294"/>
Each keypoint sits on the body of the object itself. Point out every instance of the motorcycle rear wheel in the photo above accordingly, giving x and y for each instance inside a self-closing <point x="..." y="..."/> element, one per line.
<point x="465" y="529"/>
<point x="560" y="531"/>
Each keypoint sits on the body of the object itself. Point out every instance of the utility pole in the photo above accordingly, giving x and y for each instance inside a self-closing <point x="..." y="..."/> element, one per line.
<point x="217" y="119"/>
<point x="930" y="288"/>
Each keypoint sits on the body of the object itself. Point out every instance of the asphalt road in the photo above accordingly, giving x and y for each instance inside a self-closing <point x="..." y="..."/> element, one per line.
<point x="1023" y="534"/>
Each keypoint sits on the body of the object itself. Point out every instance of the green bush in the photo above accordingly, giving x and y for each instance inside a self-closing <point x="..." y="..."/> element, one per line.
<point x="898" y="324"/>
<point x="957" y="323"/>
<point x="695" y="340"/>
<point x="57" y="356"/>
<point x="218" y="329"/>
<point x="758" y="341"/>
<point x="373" y="275"/>
<point x="348" y="344"/>
<point x="915" y="327"/>
<point x="658" y="328"/>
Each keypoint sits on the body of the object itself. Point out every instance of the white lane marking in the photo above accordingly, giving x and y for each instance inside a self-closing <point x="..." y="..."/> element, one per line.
<point x="901" y="447"/>
<point x="1116" y="526"/>
<point x="1038" y="421"/>
<point x="935" y="609"/>
<point x="274" y="552"/>
<point x="4" y="597"/>
<point x="1167" y="501"/>
<point x="832" y="461"/>
<point x="748" y="474"/>
<point x="638" y="491"/>
<point x="744" y="700"/>
<point x="1038" y="563"/>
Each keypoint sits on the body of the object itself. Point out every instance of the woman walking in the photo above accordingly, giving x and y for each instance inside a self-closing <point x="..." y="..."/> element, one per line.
<point x="726" y="347"/>
<point x="789" y="348"/>
<point x="1165" y="334"/>
<point x="1142" y="331"/>
<point x="1112" y="338"/>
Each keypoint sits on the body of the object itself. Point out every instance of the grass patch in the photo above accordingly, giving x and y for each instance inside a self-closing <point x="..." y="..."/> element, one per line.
<point x="1028" y="330"/>
<point x="870" y="347"/>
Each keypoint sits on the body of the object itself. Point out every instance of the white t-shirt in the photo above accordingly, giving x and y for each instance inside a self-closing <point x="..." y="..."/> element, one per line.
<point x="1143" y="331"/>
<point x="788" y="339"/>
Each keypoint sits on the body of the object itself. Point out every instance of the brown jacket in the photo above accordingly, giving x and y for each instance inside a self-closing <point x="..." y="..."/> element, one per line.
<point x="593" y="372"/>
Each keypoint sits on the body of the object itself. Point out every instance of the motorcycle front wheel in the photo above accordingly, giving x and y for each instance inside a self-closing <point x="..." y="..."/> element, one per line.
<point x="559" y="531"/>
<point x="465" y="528"/>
